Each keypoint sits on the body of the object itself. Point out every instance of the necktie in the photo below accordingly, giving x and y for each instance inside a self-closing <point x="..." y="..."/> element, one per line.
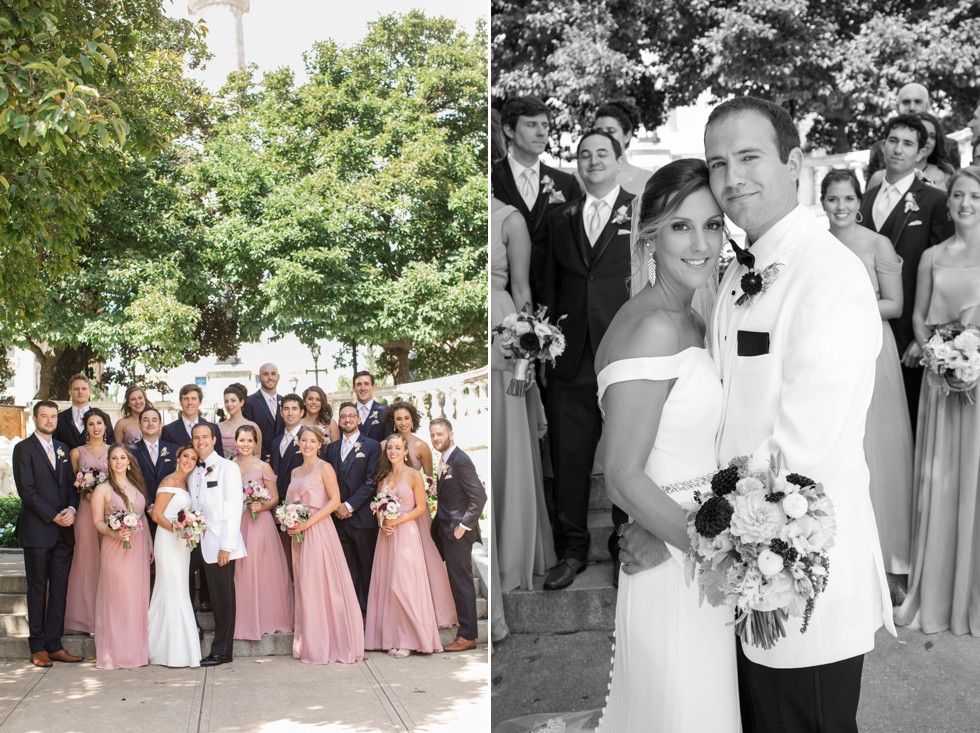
<point x="883" y="204"/>
<point x="742" y="256"/>
<point x="79" y="419"/>
<point x="346" y="451"/>
<point x="529" y="187"/>
<point x="596" y="220"/>
<point x="273" y="405"/>
<point x="286" y="440"/>
<point x="50" y="451"/>
<point x="362" y="409"/>
<point x="153" y="452"/>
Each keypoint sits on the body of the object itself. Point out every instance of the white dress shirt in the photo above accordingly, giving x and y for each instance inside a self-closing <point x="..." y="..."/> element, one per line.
<point x="609" y="200"/>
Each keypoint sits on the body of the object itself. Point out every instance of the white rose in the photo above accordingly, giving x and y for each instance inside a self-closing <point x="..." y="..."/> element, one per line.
<point x="521" y="328"/>
<point x="542" y="329"/>
<point x="968" y="373"/>
<point x="795" y="505"/>
<point x="968" y="341"/>
<point x="510" y="320"/>
<point x="748" y="485"/>
<point x="770" y="563"/>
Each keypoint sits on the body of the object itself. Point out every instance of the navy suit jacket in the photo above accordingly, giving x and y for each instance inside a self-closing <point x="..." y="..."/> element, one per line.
<point x="356" y="478"/>
<point x="44" y="491"/>
<point x="461" y="497"/>
<point x="166" y="465"/>
<point x="374" y="426"/>
<point x="911" y="232"/>
<point x="283" y="465"/>
<point x="256" y="409"/>
<point x="175" y="433"/>
<point x="67" y="433"/>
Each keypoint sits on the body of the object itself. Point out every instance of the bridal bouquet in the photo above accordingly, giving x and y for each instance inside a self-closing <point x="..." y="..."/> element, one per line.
<point x="87" y="479"/>
<point x="254" y="491"/>
<point x="759" y="542"/>
<point x="952" y="360"/>
<point x="292" y="515"/>
<point x="190" y="525"/>
<point x="386" y="506"/>
<point x="431" y="496"/>
<point x="527" y="337"/>
<point x="125" y="519"/>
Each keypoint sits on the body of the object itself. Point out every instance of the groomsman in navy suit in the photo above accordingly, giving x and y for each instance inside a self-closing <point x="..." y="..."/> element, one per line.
<point x="263" y="409"/>
<point x="285" y="453"/>
<point x="456" y="526"/>
<point x="371" y="413"/>
<point x="43" y="477"/>
<point x="522" y="180"/>
<point x="355" y="459"/>
<point x="178" y="432"/>
<point x="71" y="426"/>
<point x="157" y="458"/>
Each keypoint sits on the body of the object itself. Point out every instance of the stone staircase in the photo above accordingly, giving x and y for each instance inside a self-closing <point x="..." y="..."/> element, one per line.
<point x="589" y="604"/>
<point x="14" y="628"/>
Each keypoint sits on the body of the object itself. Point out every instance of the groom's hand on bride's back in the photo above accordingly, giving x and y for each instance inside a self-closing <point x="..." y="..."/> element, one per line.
<point x="639" y="550"/>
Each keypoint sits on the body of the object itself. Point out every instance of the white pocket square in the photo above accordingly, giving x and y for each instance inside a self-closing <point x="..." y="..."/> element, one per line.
<point x="622" y="231"/>
<point x="915" y="223"/>
<point x="557" y="197"/>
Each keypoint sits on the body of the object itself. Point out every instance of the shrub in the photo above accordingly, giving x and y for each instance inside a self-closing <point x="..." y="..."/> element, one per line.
<point x="9" y="511"/>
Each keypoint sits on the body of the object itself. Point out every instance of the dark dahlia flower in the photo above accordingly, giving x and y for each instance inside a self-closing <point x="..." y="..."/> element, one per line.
<point x="713" y="517"/>
<point x="752" y="283"/>
<point x="530" y="341"/>
<point x="724" y="481"/>
<point x="798" y="480"/>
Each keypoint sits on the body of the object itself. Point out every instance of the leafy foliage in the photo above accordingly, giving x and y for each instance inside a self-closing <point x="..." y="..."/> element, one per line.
<point x="9" y="512"/>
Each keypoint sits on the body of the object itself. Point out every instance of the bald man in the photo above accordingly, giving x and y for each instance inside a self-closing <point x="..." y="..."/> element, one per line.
<point x="912" y="99"/>
<point x="262" y="408"/>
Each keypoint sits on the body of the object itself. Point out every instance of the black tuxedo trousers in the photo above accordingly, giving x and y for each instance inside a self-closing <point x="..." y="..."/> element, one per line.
<point x="221" y="586"/>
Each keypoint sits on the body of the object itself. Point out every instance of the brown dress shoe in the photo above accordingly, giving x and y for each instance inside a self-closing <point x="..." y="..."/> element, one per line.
<point x="62" y="655"/>
<point x="41" y="659"/>
<point x="460" y="645"/>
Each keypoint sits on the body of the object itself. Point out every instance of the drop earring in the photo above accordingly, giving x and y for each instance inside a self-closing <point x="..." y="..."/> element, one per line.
<point x="859" y="218"/>
<point x="651" y="268"/>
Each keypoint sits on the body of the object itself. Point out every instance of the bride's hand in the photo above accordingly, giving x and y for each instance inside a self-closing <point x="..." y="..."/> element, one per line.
<point x="639" y="550"/>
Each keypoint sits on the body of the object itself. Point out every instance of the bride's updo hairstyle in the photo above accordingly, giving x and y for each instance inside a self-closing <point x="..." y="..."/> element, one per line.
<point x="663" y="194"/>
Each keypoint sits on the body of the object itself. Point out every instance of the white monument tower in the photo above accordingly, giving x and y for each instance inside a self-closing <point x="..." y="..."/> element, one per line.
<point x="225" y="38"/>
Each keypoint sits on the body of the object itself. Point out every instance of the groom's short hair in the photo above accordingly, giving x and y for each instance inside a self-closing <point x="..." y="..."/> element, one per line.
<point x="617" y="148"/>
<point x="516" y="107"/>
<point x="787" y="136"/>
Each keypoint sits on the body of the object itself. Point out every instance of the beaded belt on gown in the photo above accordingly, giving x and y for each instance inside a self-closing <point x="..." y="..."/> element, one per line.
<point x="690" y="483"/>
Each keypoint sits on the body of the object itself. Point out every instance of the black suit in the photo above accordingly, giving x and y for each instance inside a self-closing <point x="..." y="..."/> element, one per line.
<point x="48" y="548"/>
<point x="461" y="500"/>
<point x="257" y="410"/>
<point x="587" y="284"/>
<point x="359" y="532"/>
<point x="176" y="433"/>
<point x="153" y="473"/>
<point x="67" y="433"/>
<point x="911" y="232"/>
<point x="283" y="464"/>
<point x="506" y="189"/>
<point x="373" y="426"/>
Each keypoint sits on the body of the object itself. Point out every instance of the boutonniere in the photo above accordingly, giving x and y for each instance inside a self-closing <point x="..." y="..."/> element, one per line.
<point x="373" y="415"/>
<point x="754" y="283"/>
<point x="621" y="214"/>
<point x="60" y="453"/>
<point x="164" y="453"/>
<point x="208" y="471"/>
<point x="910" y="203"/>
<point x="547" y="185"/>
<point x="357" y="446"/>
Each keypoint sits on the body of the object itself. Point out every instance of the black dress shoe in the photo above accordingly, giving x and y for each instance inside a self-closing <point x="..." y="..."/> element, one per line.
<point x="215" y="659"/>
<point x="616" y="566"/>
<point x="562" y="575"/>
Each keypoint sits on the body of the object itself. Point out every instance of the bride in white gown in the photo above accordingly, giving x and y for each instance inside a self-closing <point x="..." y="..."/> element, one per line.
<point x="173" y="629"/>
<point x="674" y="660"/>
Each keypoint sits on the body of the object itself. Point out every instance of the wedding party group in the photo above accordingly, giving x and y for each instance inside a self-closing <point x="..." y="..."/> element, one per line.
<point x="280" y="518"/>
<point x="791" y="441"/>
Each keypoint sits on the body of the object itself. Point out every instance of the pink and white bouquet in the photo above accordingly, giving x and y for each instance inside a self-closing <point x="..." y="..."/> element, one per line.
<point x="190" y="525"/>
<point x="527" y="337"/>
<point x="386" y="506"/>
<point x="952" y="360"/>
<point x="254" y="491"/>
<point x="431" y="496"/>
<point x="292" y="514"/>
<point x="759" y="542"/>
<point x="87" y="479"/>
<point x="125" y="519"/>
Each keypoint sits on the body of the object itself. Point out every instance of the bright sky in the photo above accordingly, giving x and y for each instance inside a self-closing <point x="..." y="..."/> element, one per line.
<point x="277" y="32"/>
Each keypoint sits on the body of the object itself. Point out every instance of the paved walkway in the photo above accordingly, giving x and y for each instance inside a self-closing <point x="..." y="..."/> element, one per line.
<point x="441" y="692"/>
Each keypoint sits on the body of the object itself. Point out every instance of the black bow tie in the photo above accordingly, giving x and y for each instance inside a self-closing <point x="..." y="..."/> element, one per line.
<point x="743" y="256"/>
<point x="201" y="464"/>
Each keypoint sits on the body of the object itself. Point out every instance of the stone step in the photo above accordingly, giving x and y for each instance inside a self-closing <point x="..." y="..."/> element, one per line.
<point x="269" y="645"/>
<point x="600" y="527"/>
<point x="13" y="583"/>
<point x="598" y="499"/>
<point x="588" y="604"/>
<point x="13" y="603"/>
<point x="14" y="624"/>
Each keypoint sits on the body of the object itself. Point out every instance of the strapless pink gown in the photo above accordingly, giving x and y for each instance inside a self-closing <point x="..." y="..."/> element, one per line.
<point x="401" y="611"/>
<point x="122" y="601"/>
<point x="83" y="578"/>
<point x="230" y="450"/>
<point x="328" y="626"/>
<point x="263" y="591"/>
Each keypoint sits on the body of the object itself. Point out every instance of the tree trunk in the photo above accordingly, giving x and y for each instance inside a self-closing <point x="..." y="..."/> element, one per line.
<point x="396" y="354"/>
<point x="58" y="365"/>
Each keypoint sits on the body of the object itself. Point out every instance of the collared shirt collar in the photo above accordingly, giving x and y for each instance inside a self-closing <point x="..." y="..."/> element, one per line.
<point x="188" y="424"/>
<point x="902" y="185"/>
<point x="609" y="198"/>
<point x="518" y="169"/>
<point x="445" y="456"/>
<point x="152" y="442"/>
<point x="49" y="441"/>
<point x="353" y="438"/>
<point x="765" y="248"/>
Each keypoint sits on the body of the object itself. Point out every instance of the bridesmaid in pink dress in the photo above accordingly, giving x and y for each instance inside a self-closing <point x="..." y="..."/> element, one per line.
<point x="123" y="597"/>
<point x="328" y="625"/>
<point x="319" y="413"/>
<point x="235" y="395"/>
<point x="83" y="578"/>
<point x="263" y="592"/>
<point x="403" y="599"/>
<point x="128" y="427"/>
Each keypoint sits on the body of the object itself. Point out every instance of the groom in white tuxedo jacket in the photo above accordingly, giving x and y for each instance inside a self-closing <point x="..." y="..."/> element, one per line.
<point x="216" y="490"/>
<point x="797" y="364"/>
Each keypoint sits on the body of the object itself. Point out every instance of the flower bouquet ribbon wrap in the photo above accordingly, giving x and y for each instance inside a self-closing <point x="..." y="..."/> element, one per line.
<point x="527" y="337"/>
<point x="759" y="542"/>
<point x="951" y="358"/>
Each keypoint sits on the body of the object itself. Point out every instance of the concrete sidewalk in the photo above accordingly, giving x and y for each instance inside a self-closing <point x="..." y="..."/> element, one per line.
<point x="439" y="692"/>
